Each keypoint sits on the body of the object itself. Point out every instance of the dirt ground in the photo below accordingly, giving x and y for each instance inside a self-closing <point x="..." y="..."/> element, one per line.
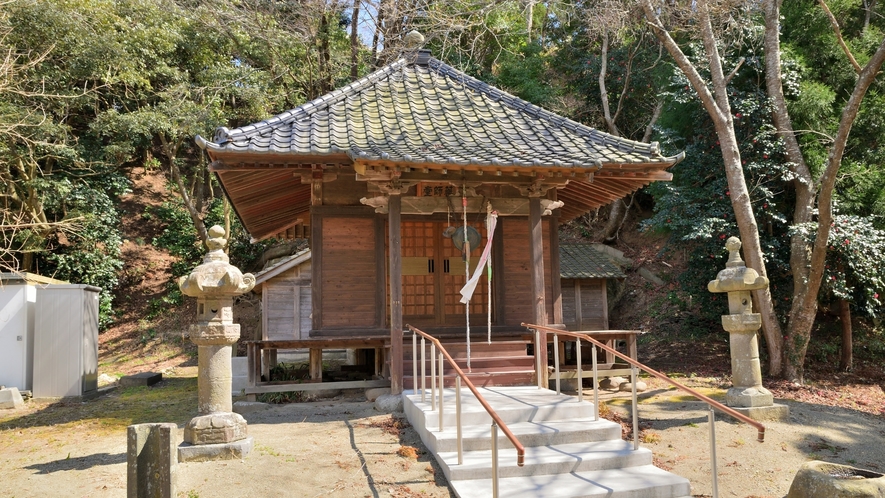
<point x="342" y="447"/>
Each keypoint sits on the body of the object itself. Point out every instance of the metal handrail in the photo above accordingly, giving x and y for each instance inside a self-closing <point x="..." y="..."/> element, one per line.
<point x="497" y="421"/>
<point x="634" y="367"/>
<point x="719" y="406"/>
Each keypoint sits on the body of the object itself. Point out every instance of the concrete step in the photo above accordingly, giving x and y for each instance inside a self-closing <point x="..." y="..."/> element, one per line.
<point x="542" y="460"/>
<point x="646" y="481"/>
<point x="512" y="404"/>
<point x="551" y="432"/>
<point x="568" y="454"/>
<point x="503" y="377"/>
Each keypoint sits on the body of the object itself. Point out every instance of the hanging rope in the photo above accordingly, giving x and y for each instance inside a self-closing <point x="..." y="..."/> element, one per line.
<point x="485" y="260"/>
<point x="489" y="271"/>
<point x="465" y="250"/>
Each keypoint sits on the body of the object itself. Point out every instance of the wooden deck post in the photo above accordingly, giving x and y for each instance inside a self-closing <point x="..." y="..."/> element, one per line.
<point x="396" y="294"/>
<point x="315" y="364"/>
<point x="536" y="254"/>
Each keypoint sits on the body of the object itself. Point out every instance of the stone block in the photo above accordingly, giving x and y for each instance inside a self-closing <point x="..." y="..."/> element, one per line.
<point x="818" y="479"/>
<point x="372" y="394"/>
<point x="236" y="450"/>
<point x="11" y="399"/>
<point x="389" y="403"/>
<point x="151" y="460"/>
<point x="105" y="380"/>
<point x="140" y="379"/>
<point x="628" y="386"/>
<point x="611" y="382"/>
<point x="324" y="393"/>
<point x="246" y="407"/>
<point x="651" y="277"/>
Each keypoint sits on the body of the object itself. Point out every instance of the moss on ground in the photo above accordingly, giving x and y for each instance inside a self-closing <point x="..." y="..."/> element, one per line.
<point x="172" y="400"/>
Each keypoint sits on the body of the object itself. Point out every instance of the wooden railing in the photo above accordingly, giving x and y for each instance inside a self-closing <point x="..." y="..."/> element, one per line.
<point x="497" y="422"/>
<point x="635" y="365"/>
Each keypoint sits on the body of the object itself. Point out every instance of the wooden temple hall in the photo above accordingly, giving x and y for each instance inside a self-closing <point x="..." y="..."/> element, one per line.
<point x="397" y="178"/>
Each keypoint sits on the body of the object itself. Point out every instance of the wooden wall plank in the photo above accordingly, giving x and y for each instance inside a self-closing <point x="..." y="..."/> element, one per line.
<point x="568" y="304"/>
<point x="516" y="277"/>
<point x="349" y="275"/>
<point x="316" y="281"/>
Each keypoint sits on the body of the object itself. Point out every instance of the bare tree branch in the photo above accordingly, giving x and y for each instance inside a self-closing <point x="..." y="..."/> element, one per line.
<point x="838" y="32"/>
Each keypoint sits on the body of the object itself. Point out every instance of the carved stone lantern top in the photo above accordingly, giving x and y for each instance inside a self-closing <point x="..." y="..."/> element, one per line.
<point x="216" y="277"/>
<point x="736" y="276"/>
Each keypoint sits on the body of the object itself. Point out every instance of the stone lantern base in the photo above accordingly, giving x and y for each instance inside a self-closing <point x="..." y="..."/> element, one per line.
<point x="773" y="412"/>
<point x="215" y="436"/>
<point x="748" y="397"/>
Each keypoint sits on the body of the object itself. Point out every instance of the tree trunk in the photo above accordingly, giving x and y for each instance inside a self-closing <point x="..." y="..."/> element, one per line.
<point x="170" y="151"/>
<point x="354" y="41"/>
<point x="616" y="218"/>
<point x="718" y="107"/>
<point x="804" y="308"/>
<point x="376" y="37"/>
<point x="529" y="18"/>
<point x="325" y="56"/>
<point x="869" y="6"/>
<point x="845" y="362"/>
<point x="226" y="204"/>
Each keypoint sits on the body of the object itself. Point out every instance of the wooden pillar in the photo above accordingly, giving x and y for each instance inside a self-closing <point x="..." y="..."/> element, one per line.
<point x="316" y="249"/>
<point x="555" y="282"/>
<point x="536" y="254"/>
<point x="396" y="294"/>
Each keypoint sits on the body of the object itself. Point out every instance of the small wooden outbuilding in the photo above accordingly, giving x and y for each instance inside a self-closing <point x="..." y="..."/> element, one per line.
<point x="585" y="275"/>
<point x="285" y="298"/>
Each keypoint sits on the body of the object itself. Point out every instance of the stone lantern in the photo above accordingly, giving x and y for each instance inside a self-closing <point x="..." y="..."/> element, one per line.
<point x="746" y="394"/>
<point x="217" y="432"/>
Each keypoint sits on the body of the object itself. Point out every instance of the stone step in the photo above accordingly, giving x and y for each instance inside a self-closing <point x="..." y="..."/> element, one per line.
<point x="646" y="481"/>
<point x="551" y="432"/>
<point x="543" y="460"/>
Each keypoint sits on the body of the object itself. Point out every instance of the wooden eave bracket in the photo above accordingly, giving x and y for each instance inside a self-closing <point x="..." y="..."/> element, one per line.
<point x="308" y="177"/>
<point x="431" y="205"/>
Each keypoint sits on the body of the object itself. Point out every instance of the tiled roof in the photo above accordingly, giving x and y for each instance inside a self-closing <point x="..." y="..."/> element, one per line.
<point x="419" y="110"/>
<point x="582" y="261"/>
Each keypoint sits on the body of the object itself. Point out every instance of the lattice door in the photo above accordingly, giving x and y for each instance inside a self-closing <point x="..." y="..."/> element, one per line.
<point x="419" y="269"/>
<point x="433" y="275"/>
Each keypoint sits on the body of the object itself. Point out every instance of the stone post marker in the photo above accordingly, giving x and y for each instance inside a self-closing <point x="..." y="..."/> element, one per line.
<point x="217" y="433"/>
<point x="747" y="394"/>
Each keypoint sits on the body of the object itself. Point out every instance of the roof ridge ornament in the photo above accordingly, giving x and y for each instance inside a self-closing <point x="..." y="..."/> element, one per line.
<point x="413" y="40"/>
<point x="413" y="43"/>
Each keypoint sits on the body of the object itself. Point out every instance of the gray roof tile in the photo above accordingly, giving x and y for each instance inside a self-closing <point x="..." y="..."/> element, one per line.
<point x="393" y="112"/>
<point x="582" y="261"/>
